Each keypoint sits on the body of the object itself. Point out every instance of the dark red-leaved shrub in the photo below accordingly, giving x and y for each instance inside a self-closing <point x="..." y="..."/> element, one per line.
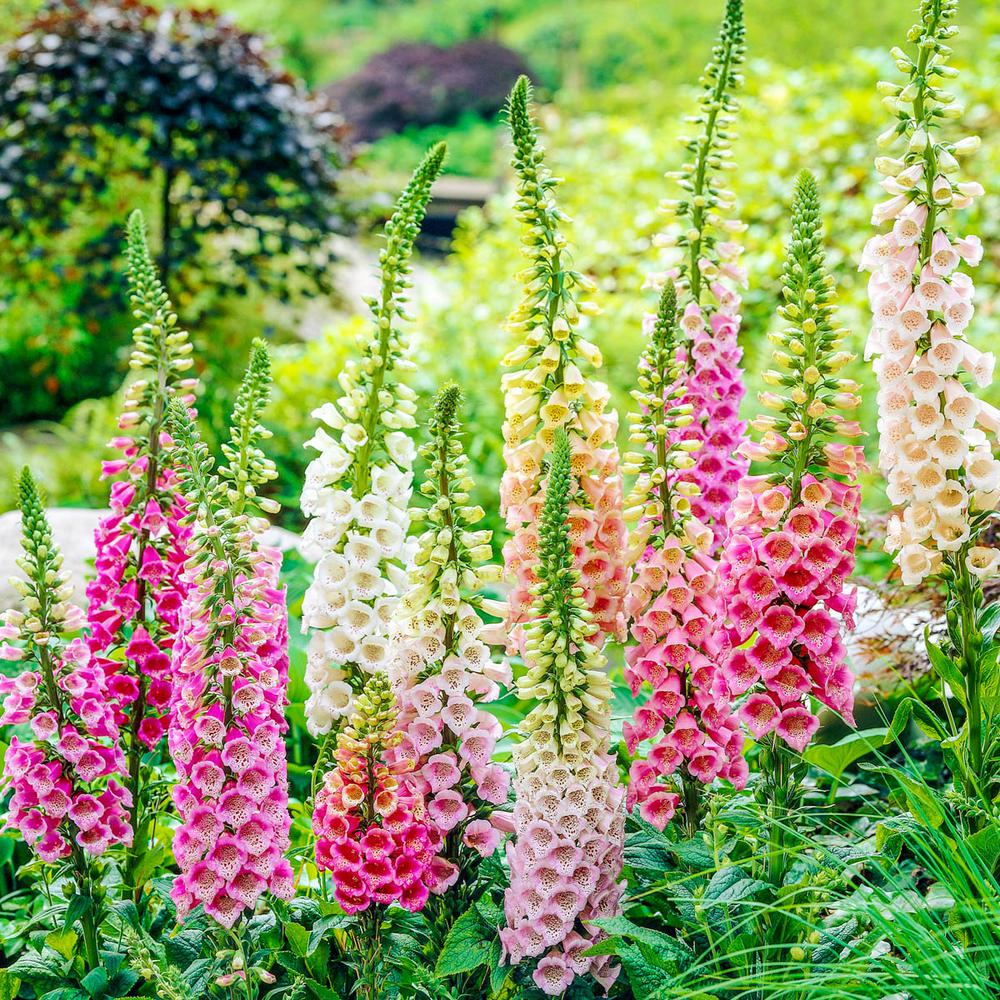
<point x="419" y="84"/>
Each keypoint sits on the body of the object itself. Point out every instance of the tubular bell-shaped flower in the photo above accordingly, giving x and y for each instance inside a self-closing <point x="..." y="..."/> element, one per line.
<point x="709" y="276"/>
<point x="566" y="854"/>
<point x="135" y="599"/>
<point x="672" y="603"/>
<point x="357" y="491"/>
<point x="793" y="530"/>
<point x="68" y="802"/>
<point x="938" y="440"/>
<point x="67" y="794"/>
<point x="442" y="671"/>
<point x="230" y="667"/>
<point x="548" y="391"/>
<point x="371" y="833"/>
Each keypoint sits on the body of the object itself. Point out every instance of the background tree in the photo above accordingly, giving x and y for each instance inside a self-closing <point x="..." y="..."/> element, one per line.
<point x="242" y="162"/>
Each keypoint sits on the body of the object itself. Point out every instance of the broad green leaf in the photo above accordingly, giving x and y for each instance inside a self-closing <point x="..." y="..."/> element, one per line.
<point x="498" y="971"/>
<point x="837" y="757"/>
<point x="671" y="951"/>
<point x="920" y="799"/>
<point x="900" y="720"/>
<point x="66" y="993"/>
<point x="833" y="940"/>
<point x="127" y="911"/>
<point x="318" y="960"/>
<point x="10" y="985"/>
<point x="644" y="976"/>
<point x="185" y="947"/>
<point x="986" y="843"/>
<point x="925" y="718"/>
<point x="63" y="942"/>
<point x="121" y="982"/>
<point x="731" y="885"/>
<point x="319" y="930"/>
<point x="95" y="982"/>
<point x="989" y="680"/>
<point x="197" y="975"/>
<point x="298" y="939"/>
<point x="466" y="946"/>
<point x="989" y="621"/>
<point x="493" y="915"/>
<point x="41" y="972"/>
<point x="891" y="834"/>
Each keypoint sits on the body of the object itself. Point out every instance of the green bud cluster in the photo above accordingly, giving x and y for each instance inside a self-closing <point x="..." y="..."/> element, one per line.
<point x="808" y="411"/>
<point x="548" y="313"/>
<point x="450" y="551"/>
<point x="372" y="724"/>
<point x="45" y="590"/>
<point x="659" y="387"/>
<point x="711" y="152"/>
<point x="373" y="397"/>
<point x="161" y="353"/>
<point x="147" y="957"/>
<point x="564" y="672"/>
<point x="922" y="105"/>
<point x="249" y="468"/>
<point x="223" y="545"/>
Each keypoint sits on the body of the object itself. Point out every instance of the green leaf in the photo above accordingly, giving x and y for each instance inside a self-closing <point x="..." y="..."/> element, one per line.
<point x="465" y="947"/>
<point x="121" y="982"/>
<point x="989" y="621"/>
<point x="318" y="931"/>
<point x="645" y="977"/>
<point x="900" y="720"/>
<point x="184" y="948"/>
<point x="837" y="757"/>
<point x="498" y="973"/>
<point x="128" y="912"/>
<point x="986" y="843"/>
<point x="95" y="982"/>
<point x="66" y="993"/>
<point x="198" y="974"/>
<point x="63" y="942"/>
<point x="41" y="972"/>
<point x="731" y="885"/>
<point x="947" y="669"/>
<point x="891" y="834"/>
<point x="928" y="722"/>
<point x="672" y="953"/>
<point x="493" y="915"/>
<point x="833" y="940"/>
<point x="318" y="961"/>
<point x="920" y="799"/>
<point x="321" y="992"/>
<point x="77" y="907"/>
<point x="298" y="939"/>
<point x="10" y="985"/>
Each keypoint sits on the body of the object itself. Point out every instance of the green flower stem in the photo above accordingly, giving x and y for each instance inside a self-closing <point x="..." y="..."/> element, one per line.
<point x="732" y="37"/>
<point x="400" y="232"/>
<point x="930" y="156"/>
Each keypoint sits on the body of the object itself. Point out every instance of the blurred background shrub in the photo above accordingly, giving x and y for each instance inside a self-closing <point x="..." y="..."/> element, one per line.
<point x="108" y="103"/>
<point x="417" y="84"/>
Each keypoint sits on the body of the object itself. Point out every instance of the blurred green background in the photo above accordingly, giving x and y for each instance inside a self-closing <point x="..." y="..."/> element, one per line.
<point x="616" y="80"/>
